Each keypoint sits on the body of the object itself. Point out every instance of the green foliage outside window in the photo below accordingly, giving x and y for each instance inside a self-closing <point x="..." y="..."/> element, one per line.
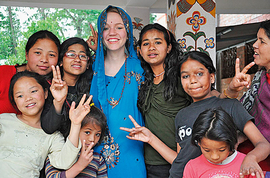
<point x="14" y="33"/>
<point x="64" y="23"/>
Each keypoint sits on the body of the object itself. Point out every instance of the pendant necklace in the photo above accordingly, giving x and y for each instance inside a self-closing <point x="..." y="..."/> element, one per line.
<point x="113" y="102"/>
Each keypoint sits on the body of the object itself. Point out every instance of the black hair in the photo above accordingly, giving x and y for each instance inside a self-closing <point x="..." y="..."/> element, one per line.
<point x="82" y="86"/>
<point x="39" y="78"/>
<point x="171" y="75"/>
<point x="266" y="26"/>
<point x="215" y="124"/>
<point x="96" y="116"/>
<point x="202" y="58"/>
<point x="84" y="81"/>
<point x="42" y="34"/>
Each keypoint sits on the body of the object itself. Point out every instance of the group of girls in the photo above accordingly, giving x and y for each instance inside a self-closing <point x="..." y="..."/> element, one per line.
<point x="24" y="145"/>
<point x="41" y="112"/>
<point x="197" y="79"/>
<point x="197" y="76"/>
<point x="123" y="87"/>
<point x="69" y="83"/>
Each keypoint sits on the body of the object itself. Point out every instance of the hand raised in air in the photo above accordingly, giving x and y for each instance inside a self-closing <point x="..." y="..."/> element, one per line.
<point x="77" y="114"/>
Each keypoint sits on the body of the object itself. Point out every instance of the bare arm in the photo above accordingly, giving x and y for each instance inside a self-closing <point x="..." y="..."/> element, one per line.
<point x="57" y="154"/>
<point x="76" y="116"/>
<point x="259" y="153"/>
<point x="166" y="152"/>
<point x="145" y="135"/>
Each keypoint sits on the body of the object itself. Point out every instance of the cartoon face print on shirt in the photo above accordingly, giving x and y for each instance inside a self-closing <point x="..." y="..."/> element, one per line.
<point x="184" y="131"/>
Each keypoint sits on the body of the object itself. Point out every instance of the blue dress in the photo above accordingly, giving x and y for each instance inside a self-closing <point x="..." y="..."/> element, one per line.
<point x="117" y="97"/>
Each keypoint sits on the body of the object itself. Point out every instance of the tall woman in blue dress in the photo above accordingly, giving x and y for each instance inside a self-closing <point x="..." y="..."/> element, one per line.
<point x="116" y="81"/>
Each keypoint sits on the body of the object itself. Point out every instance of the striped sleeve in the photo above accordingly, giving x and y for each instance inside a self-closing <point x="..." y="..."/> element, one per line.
<point x="102" y="169"/>
<point x="52" y="172"/>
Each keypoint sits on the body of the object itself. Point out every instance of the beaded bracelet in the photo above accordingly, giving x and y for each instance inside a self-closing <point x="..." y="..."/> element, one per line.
<point x="229" y="96"/>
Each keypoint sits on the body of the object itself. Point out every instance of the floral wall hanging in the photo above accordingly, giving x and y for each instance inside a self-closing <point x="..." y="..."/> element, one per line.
<point x="193" y="23"/>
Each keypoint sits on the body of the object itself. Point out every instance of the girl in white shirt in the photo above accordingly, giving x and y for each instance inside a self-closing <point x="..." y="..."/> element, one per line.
<point x="24" y="145"/>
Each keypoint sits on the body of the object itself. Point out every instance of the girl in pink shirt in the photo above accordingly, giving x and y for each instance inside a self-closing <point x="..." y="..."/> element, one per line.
<point x="215" y="133"/>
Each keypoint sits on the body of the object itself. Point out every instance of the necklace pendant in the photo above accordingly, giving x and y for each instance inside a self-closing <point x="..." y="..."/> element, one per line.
<point x="115" y="104"/>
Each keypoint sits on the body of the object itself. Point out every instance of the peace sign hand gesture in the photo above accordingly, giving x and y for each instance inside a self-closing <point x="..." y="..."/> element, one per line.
<point x="85" y="158"/>
<point x="241" y="79"/>
<point x="59" y="89"/>
<point x="93" y="38"/>
<point x="86" y="155"/>
<point x="138" y="132"/>
<point x="145" y="135"/>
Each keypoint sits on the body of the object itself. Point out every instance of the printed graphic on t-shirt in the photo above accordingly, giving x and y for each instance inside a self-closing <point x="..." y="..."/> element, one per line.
<point x="184" y="131"/>
<point x="223" y="174"/>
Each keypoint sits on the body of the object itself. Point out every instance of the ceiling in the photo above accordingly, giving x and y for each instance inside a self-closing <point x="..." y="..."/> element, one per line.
<point x="223" y="6"/>
<point x="153" y="5"/>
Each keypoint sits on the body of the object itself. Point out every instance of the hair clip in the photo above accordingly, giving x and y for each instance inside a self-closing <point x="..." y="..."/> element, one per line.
<point x="92" y="104"/>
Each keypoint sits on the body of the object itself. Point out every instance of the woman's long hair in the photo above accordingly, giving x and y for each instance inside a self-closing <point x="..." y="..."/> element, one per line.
<point x="171" y="76"/>
<point x="84" y="82"/>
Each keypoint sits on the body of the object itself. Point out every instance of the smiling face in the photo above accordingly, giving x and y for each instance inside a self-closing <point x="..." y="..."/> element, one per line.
<point x="74" y="67"/>
<point x="114" y="33"/>
<point x="262" y="49"/>
<point x="214" y="151"/>
<point x="196" y="80"/>
<point x="154" y="47"/>
<point x="91" y="133"/>
<point x="41" y="56"/>
<point x="29" y="96"/>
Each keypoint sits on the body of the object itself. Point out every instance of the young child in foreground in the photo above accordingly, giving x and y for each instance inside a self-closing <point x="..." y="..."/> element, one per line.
<point x="197" y="75"/>
<point x="24" y="145"/>
<point x="90" y="164"/>
<point x="216" y="134"/>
